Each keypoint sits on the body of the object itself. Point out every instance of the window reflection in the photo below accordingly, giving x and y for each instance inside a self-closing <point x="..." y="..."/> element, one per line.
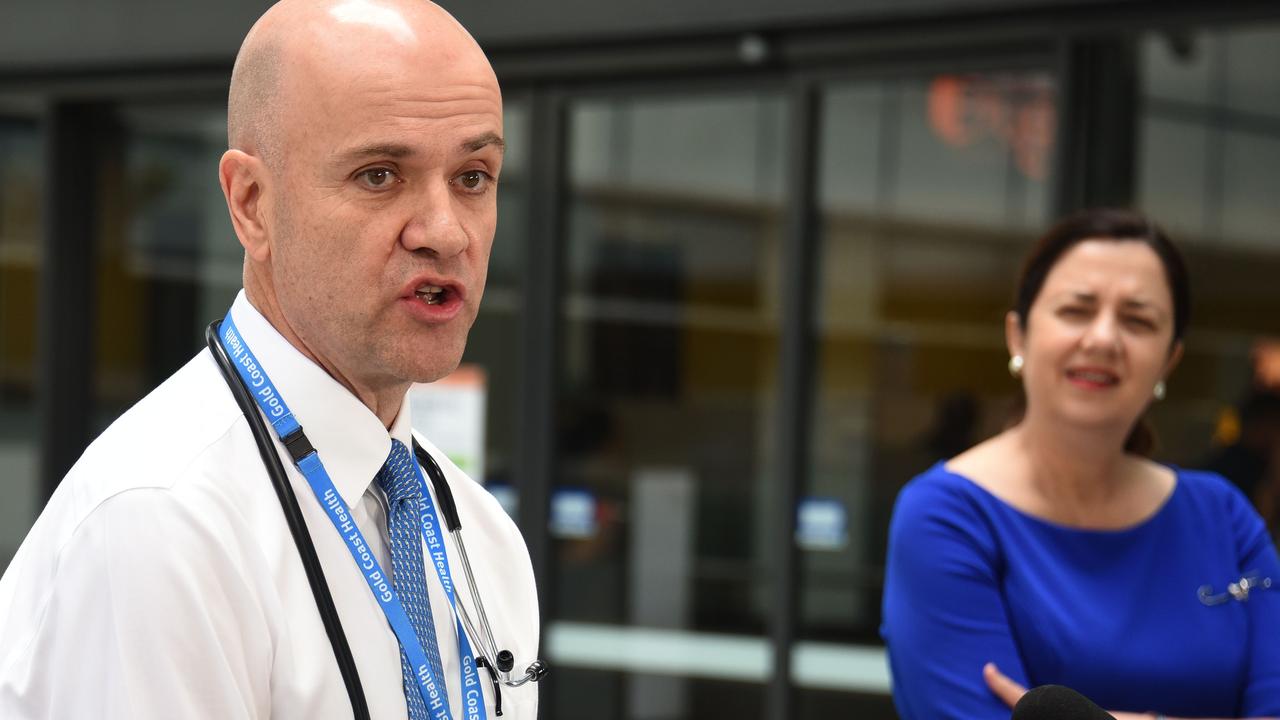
<point x="969" y="149"/>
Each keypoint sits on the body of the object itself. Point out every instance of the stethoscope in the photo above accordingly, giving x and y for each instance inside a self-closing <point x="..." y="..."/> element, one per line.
<point x="496" y="661"/>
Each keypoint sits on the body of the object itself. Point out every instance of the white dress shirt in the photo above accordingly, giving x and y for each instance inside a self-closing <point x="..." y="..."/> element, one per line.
<point x="161" y="580"/>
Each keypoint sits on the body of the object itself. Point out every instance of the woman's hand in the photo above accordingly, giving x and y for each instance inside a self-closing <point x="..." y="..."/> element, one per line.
<point x="1010" y="691"/>
<point x="1003" y="686"/>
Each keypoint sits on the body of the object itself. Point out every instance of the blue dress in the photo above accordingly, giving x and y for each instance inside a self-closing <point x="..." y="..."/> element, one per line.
<point x="1116" y="615"/>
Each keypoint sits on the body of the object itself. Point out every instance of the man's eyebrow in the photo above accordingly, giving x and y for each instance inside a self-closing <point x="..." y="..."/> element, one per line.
<point x="482" y="141"/>
<point x="377" y="150"/>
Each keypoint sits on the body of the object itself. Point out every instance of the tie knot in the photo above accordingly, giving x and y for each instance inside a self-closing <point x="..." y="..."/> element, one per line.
<point x="397" y="477"/>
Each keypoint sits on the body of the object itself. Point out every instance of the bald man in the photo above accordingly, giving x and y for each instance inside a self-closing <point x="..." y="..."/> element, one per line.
<point x="162" y="580"/>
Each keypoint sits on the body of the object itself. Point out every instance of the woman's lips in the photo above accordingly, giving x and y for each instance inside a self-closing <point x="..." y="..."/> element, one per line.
<point x="1092" y="378"/>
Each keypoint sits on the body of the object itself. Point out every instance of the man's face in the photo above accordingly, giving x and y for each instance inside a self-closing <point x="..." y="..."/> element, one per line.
<point x="385" y="205"/>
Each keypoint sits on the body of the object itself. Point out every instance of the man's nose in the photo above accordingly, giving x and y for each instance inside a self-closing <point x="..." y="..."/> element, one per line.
<point x="435" y="226"/>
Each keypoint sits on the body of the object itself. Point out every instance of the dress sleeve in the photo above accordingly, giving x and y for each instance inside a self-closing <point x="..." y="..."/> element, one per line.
<point x="1257" y="554"/>
<point x="147" y="617"/>
<point x="944" y="616"/>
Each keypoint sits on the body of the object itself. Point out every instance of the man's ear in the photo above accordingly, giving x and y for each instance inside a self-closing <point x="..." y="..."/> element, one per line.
<point x="1014" y="339"/>
<point x="243" y="179"/>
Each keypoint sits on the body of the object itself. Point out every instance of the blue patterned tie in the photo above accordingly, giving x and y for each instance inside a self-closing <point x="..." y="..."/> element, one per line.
<point x="398" y="478"/>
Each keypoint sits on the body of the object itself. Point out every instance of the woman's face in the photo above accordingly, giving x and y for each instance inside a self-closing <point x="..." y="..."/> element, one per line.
<point x="1098" y="336"/>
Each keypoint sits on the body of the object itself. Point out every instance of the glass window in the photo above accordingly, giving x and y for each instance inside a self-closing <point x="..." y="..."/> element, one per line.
<point x="490" y="347"/>
<point x="168" y="260"/>
<point x="1177" y="177"/>
<point x="930" y="188"/>
<point x="659" y="513"/>
<point x="1179" y="67"/>
<point x="1251" y="57"/>
<point x="1250" y="171"/>
<point x="1208" y="168"/>
<point x="1207" y="158"/>
<point x="968" y="150"/>
<point x="21" y="200"/>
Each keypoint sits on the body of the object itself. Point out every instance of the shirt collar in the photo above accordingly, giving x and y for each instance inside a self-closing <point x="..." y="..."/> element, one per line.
<point x="350" y="439"/>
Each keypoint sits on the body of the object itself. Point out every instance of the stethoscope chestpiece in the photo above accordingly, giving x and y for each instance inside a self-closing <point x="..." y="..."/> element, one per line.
<point x="537" y="670"/>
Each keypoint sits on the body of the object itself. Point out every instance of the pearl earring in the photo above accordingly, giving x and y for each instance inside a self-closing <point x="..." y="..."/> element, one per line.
<point x="1159" y="390"/>
<point x="1015" y="366"/>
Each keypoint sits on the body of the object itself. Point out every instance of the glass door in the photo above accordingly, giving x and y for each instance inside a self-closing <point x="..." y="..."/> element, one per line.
<point x="930" y="188"/>
<point x="674" y="230"/>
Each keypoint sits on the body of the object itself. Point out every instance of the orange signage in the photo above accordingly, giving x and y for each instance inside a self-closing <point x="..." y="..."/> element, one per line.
<point x="1016" y="110"/>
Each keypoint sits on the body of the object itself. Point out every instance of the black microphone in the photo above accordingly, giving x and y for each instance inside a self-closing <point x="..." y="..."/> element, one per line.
<point x="1055" y="702"/>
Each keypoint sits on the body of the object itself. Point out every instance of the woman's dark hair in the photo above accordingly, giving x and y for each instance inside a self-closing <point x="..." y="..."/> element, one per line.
<point x="1120" y="226"/>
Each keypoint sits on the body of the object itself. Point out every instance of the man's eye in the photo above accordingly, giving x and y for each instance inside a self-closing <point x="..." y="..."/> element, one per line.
<point x="474" y="180"/>
<point x="377" y="178"/>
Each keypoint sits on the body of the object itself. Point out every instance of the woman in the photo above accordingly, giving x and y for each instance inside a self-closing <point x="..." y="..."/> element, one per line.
<point x="1057" y="552"/>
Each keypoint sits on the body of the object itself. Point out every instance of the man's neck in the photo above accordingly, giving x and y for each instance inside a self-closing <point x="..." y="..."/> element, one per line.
<point x="383" y="399"/>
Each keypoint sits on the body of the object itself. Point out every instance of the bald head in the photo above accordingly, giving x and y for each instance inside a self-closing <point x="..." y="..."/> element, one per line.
<point x="301" y="47"/>
<point x="362" y="179"/>
<point x="255" y="84"/>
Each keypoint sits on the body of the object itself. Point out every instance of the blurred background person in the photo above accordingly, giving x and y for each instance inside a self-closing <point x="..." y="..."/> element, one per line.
<point x="1249" y="459"/>
<point x="953" y="429"/>
<point x="1057" y="552"/>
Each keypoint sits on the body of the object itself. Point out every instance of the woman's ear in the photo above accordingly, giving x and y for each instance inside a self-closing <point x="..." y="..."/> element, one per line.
<point x="1175" y="356"/>
<point x="243" y="178"/>
<point x="1014" y="336"/>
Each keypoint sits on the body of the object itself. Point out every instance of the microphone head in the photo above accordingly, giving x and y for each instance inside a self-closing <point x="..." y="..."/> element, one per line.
<point x="1055" y="702"/>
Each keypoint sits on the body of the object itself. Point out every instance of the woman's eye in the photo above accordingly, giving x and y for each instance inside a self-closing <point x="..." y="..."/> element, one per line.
<point x="377" y="178"/>
<point x="1141" y="323"/>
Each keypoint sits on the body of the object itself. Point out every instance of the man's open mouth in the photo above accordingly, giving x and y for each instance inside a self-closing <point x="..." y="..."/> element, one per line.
<point x="432" y="294"/>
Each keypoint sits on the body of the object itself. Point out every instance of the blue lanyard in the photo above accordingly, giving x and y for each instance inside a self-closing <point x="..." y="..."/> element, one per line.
<point x="472" y="695"/>
<point x="434" y="695"/>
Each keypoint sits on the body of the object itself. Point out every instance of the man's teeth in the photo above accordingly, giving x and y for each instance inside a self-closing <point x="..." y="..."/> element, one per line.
<point x="431" y="294"/>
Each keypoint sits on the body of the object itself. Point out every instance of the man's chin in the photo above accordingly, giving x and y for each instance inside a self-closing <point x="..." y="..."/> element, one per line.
<point x="425" y="357"/>
<point x="434" y="369"/>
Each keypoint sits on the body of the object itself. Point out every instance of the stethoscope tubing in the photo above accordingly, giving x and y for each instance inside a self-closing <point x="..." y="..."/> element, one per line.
<point x="297" y="526"/>
<point x="490" y="652"/>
